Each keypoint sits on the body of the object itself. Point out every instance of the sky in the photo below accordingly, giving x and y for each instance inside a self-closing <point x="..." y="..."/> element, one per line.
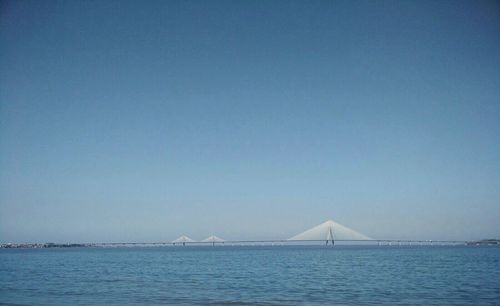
<point x="130" y="121"/>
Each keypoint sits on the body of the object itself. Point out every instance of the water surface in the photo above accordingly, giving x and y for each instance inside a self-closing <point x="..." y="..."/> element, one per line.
<point x="273" y="275"/>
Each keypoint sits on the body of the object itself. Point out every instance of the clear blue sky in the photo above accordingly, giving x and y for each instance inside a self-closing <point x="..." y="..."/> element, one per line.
<point x="145" y="120"/>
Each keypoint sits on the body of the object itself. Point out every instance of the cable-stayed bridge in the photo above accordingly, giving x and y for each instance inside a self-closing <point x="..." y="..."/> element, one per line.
<point x="380" y="242"/>
<point x="328" y="232"/>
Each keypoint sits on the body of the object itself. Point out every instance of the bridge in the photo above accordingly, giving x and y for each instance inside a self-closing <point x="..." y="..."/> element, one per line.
<point x="328" y="232"/>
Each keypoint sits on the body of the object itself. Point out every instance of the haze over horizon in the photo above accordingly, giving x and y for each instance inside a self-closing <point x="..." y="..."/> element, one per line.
<point x="142" y="121"/>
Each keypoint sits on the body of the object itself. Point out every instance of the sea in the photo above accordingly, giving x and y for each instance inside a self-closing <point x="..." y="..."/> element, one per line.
<point x="252" y="275"/>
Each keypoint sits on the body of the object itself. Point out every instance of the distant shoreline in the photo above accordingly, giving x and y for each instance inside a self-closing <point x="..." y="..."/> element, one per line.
<point x="483" y="242"/>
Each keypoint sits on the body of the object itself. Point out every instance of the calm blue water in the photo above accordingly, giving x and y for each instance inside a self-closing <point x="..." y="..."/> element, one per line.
<point x="252" y="275"/>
